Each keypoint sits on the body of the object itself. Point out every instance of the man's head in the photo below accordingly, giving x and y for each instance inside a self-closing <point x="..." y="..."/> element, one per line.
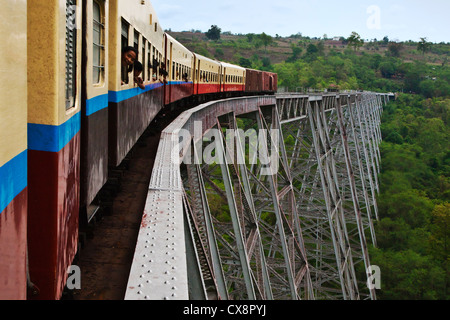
<point x="129" y="56"/>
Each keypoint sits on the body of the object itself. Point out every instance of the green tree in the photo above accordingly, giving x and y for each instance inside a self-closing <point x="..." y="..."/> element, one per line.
<point x="395" y="49"/>
<point x="244" y="62"/>
<point x="296" y="53"/>
<point x="387" y="69"/>
<point x="424" y="45"/>
<point x="266" y="40"/>
<point x="355" y="41"/>
<point x="311" y="52"/>
<point x="214" y="33"/>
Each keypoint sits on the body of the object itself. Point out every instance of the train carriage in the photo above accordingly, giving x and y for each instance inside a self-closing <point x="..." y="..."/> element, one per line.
<point x="131" y="109"/>
<point x="269" y="82"/>
<point x="206" y="75"/>
<point x="13" y="152"/>
<point x="180" y="65"/>
<point x="253" y="80"/>
<point x="54" y="95"/>
<point x="233" y="78"/>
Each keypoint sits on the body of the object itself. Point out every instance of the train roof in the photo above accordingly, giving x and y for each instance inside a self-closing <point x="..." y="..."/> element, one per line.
<point x="199" y="56"/>
<point x="230" y="65"/>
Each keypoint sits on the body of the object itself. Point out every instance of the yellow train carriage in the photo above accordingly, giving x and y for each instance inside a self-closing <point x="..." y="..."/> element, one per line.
<point x="13" y="149"/>
<point x="206" y="75"/>
<point x="131" y="108"/>
<point x="54" y="103"/>
<point x="135" y="24"/>
<point x="180" y="65"/>
<point x="233" y="78"/>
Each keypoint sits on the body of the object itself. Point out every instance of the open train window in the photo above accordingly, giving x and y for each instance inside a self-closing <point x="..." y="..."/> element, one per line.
<point x="173" y="70"/>
<point x="136" y="40"/>
<point x="71" y="54"/>
<point x="144" y="62"/>
<point x="149" y="62"/>
<point x="98" y="39"/>
<point x="124" y="35"/>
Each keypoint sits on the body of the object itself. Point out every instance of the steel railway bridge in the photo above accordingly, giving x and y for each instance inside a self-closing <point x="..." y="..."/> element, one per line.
<point x="268" y="197"/>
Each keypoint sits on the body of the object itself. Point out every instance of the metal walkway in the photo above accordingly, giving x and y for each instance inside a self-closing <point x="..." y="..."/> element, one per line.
<point x="270" y="197"/>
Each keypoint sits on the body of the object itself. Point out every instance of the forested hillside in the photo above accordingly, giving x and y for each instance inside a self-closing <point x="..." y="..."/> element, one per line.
<point x="413" y="232"/>
<point x="304" y="62"/>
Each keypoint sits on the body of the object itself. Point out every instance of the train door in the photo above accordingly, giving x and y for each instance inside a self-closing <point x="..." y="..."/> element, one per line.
<point x="197" y="77"/>
<point x="168" y="48"/>
<point x="219" y="79"/>
<point x="171" y="71"/>
<point x="224" y="88"/>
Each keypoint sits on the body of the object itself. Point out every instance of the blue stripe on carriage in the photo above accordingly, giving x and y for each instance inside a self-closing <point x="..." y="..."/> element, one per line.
<point x="52" y="138"/>
<point x="119" y="96"/>
<point x="13" y="179"/>
<point x="96" y="104"/>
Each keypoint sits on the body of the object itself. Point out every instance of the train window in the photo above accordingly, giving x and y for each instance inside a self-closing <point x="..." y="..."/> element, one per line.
<point x="125" y="32"/>
<point x="173" y="71"/>
<point x="160" y="73"/>
<point x="149" y="61"/>
<point x="98" y="44"/>
<point x="71" y="56"/>
<point x="144" y="69"/>
<point x="136" y="40"/>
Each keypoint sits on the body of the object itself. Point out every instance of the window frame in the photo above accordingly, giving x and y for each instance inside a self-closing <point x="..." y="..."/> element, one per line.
<point x="124" y="76"/>
<point x="100" y="68"/>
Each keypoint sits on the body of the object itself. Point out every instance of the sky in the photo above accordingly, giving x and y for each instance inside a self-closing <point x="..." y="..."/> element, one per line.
<point x="400" y="20"/>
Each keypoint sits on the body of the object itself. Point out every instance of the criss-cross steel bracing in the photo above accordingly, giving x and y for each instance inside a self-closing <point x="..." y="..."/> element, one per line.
<point x="257" y="198"/>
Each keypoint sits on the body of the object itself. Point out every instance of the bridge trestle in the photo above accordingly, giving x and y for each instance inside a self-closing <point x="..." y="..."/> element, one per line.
<point x="275" y="197"/>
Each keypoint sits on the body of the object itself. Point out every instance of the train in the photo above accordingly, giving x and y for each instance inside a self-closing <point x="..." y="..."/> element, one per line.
<point x="70" y="113"/>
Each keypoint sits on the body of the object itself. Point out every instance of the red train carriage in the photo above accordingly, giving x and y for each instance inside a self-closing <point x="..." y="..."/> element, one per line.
<point x="253" y="80"/>
<point x="269" y="82"/>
